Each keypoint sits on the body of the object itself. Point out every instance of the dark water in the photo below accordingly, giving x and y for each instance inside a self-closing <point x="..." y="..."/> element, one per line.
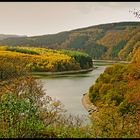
<point x="69" y="89"/>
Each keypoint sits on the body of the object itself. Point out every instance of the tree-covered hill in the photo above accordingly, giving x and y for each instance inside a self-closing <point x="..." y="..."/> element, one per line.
<point x="116" y="94"/>
<point x="105" y="41"/>
<point x="45" y="60"/>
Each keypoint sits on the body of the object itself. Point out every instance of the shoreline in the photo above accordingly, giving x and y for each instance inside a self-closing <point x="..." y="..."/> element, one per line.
<point x="63" y="72"/>
<point x="85" y="101"/>
<point x="91" y="109"/>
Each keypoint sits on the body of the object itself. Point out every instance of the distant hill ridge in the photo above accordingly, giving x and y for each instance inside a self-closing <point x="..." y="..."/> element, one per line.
<point x="116" y="41"/>
<point x="5" y="36"/>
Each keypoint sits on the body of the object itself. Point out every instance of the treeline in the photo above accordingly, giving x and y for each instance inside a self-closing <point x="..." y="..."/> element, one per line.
<point x="116" y="93"/>
<point x="83" y="59"/>
<point x="106" y="41"/>
<point x="46" y="60"/>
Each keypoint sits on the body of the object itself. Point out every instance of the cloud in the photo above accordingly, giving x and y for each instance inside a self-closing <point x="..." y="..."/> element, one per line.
<point x="87" y="7"/>
<point x="123" y="4"/>
<point x="51" y="17"/>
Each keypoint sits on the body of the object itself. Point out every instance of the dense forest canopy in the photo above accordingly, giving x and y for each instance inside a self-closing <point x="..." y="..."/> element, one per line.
<point x="116" y="93"/>
<point x="46" y="60"/>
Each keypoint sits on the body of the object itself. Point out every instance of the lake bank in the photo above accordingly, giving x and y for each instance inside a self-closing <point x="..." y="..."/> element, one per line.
<point x="64" y="72"/>
<point x="85" y="101"/>
<point x="88" y="105"/>
<point x="97" y="63"/>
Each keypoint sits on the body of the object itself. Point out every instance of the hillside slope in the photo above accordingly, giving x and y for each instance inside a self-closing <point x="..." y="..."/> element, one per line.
<point x="45" y="60"/>
<point x="116" y="94"/>
<point x="106" y="41"/>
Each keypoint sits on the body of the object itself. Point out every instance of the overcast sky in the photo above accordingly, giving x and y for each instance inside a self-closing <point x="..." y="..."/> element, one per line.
<point x="38" y="18"/>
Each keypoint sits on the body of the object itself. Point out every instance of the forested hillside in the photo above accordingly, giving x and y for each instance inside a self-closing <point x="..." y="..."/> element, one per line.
<point x="106" y="41"/>
<point x="116" y="93"/>
<point x="45" y="60"/>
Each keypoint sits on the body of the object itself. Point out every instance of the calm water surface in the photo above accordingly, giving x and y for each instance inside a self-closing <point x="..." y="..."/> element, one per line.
<point x="69" y="89"/>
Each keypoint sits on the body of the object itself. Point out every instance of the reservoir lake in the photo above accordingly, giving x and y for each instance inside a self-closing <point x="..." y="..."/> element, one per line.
<point x="69" y="89"/>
